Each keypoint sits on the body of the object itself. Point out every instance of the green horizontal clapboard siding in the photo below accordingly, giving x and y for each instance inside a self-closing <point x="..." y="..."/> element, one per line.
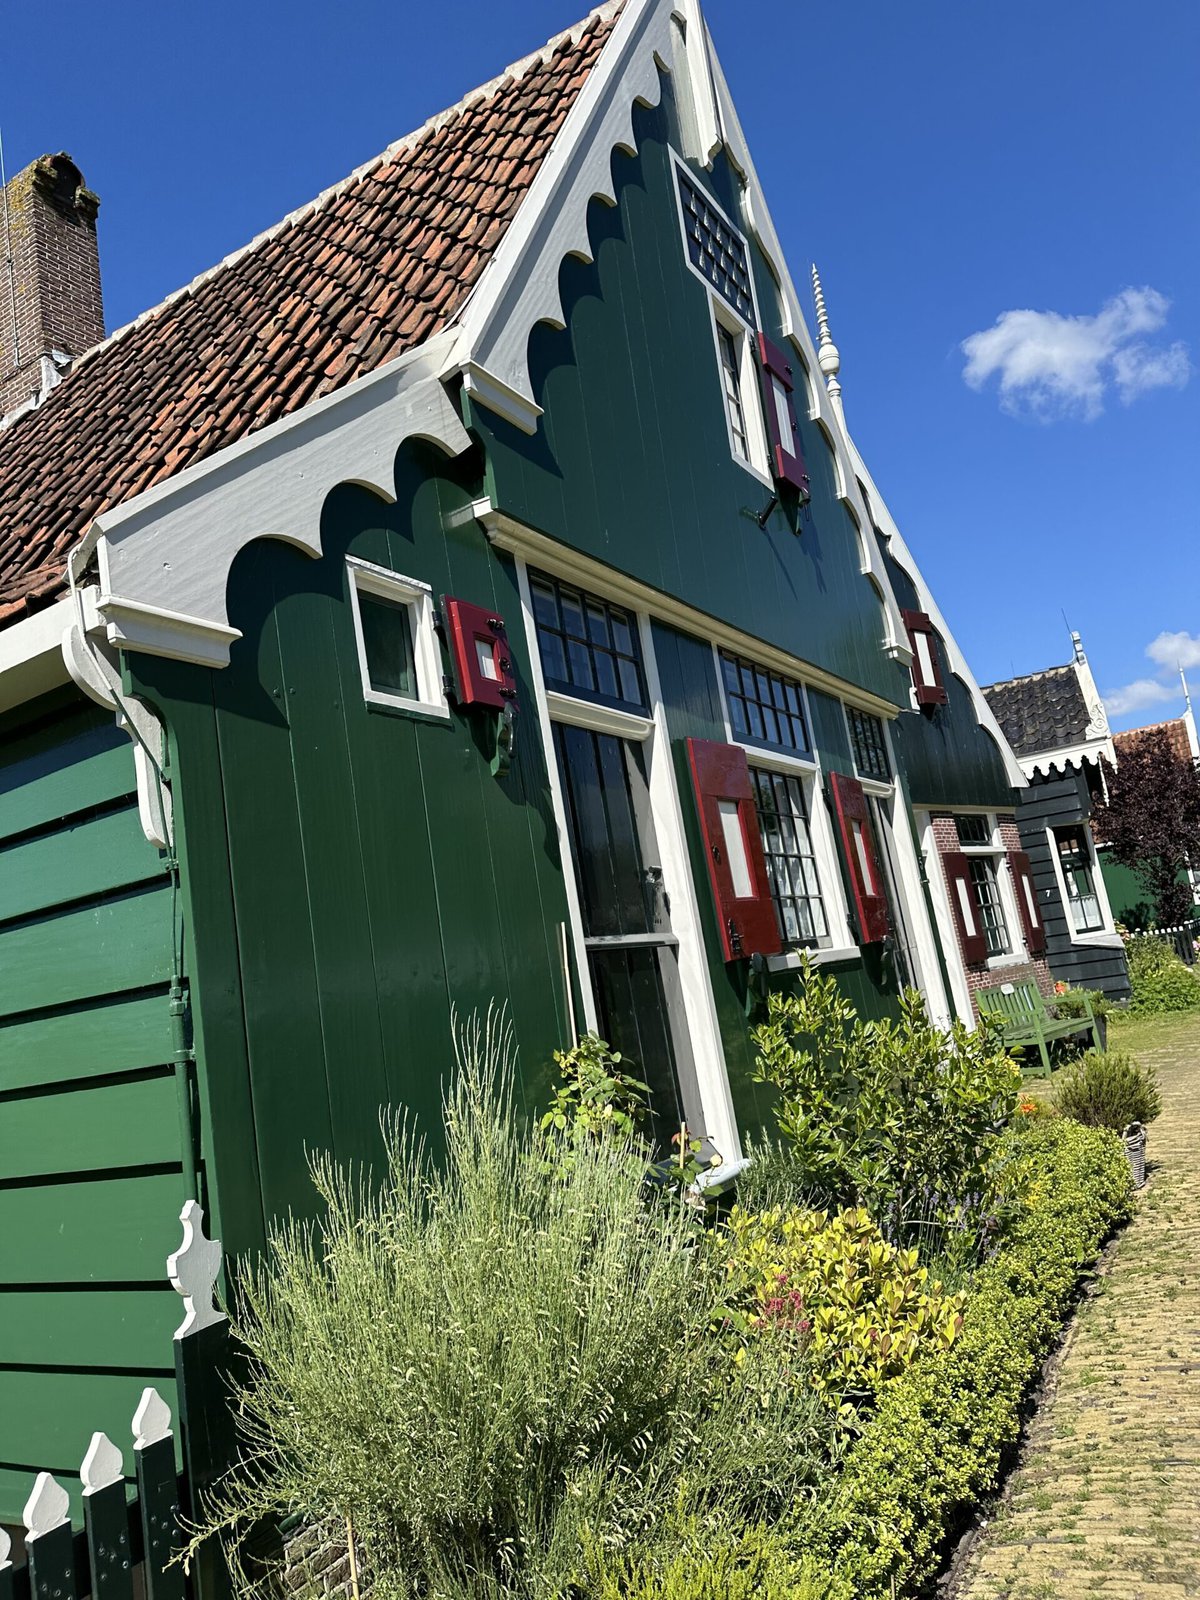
<point x="119" y="944"/>
<point x="84" y="858"/>
<point x="49" y="1419"/>
<point x="126" y="1124"/>
<point x="95" y="1038"/>
<point x="89" y="1328"/>
<point x="118" y="1229"/>
<point x="90" y="1170"/>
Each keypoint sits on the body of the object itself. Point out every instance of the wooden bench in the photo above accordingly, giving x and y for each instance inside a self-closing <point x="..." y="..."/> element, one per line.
<point x="1022" y="1011"/>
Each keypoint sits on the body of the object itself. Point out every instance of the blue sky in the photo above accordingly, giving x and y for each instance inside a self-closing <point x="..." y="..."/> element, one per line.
<point x="1026" y="174"/>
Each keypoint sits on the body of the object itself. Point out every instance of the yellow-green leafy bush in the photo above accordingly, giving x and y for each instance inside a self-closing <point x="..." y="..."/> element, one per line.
<point x="754" y="1563"/>
<point x="858" y="1309"/>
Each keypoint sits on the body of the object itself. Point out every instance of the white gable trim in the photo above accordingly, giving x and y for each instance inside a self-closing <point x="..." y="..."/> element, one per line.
<point x="31" y="658"/>
<point x="164" y="556"/>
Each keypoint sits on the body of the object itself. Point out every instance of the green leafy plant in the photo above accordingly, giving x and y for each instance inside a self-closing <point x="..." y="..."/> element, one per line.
<point x="594" y="1100"/>
<point x="937" y="1438"/>
<point x="856" y="1309"/>
<point x="696" y="1558"/>
<point x="477" y="1366"/>
<point x="1074" y="1002"/>
<point x="1108" y="1091"/>
<point x="1160" y="981"/>
<point x="901" y="1117"/>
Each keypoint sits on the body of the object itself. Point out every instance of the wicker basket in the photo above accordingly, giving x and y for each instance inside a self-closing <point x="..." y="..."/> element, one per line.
<point x="1135" y="1152"/>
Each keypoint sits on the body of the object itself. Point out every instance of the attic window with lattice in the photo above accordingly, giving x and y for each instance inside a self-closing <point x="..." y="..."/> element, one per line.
<point x="715" y="249"/>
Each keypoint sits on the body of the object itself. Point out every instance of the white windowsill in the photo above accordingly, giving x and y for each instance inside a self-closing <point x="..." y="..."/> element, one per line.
<point x="1099" y="941"/>
<point x="600" y="719"/>
<point x="998" y="963"/>
<point x="792" y="960"/>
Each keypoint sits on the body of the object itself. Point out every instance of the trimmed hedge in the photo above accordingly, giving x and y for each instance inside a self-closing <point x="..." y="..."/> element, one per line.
<point x="937" y="1439"/>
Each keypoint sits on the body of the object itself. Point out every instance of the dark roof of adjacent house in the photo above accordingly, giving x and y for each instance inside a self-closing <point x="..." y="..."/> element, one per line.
<point x="1042" y="711"/>
<point x="370" y="269"/>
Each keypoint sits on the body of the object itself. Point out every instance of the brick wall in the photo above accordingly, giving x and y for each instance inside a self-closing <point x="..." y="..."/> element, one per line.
<point x="52" y="300"/>
<point x="980" y="975"/>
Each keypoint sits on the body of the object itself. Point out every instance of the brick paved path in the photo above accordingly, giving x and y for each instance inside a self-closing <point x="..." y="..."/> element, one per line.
<point x="1106" y="1501"/>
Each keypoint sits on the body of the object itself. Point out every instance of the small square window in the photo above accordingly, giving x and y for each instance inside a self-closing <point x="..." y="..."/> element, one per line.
<point x="399" y="657"/>
<point x="973" y="828"/>
<point x="388" y="645"/>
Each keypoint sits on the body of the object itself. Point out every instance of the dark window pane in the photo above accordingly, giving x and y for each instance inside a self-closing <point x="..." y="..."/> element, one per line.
<point x="387" y="641"/>
<point x="788" y="851"/>
<point x="545" y="606"/>
<point x="587" y="648"/>
<point x="606" y="674"/>
<point x="631" y="687"/>
<point x="597" y="625"/>
<point x="622" y="636"/>
<point x="632" y="1015"/>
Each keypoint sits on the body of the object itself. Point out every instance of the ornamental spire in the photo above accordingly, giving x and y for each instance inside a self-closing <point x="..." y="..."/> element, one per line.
<point x="828" y="358"/>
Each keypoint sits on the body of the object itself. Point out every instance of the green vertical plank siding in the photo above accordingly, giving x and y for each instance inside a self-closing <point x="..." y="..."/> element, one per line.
<point x="90" y="1186"/>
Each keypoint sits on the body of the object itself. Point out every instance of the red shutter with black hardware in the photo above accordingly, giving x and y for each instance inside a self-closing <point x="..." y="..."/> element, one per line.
<point x="862" y="863"/>
<point x="1021" y="868"/>
<point x="733" y="848"/>
<point x="483" y="669"/>
<point x="964" y="903"/>
<point x="787" y="458"/>
<point x="926" y="668"/>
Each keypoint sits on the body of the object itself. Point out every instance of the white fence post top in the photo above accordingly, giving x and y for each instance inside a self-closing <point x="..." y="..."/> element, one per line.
<point x="193" y="1271"/>
<point x="47" y="1508"/>
<point x="151" y="1420"/>
<point x="102" y="1465"/>
<point x="5" y="1550"/>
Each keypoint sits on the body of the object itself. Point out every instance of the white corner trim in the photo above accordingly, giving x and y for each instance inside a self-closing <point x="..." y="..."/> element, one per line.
<point x="490" y="391"/>
<point x="520" y="286"/>
<point x="31" y="659"/>
<point x="165" y="555"/>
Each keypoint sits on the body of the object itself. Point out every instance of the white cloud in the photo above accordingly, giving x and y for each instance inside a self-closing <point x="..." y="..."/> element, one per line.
<point x="1174" y="650"/>
<point x="1137" y="696"/>
<point x="1051" y="366"/>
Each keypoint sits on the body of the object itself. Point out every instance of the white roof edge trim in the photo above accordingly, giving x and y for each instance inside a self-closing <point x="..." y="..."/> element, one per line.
<point x="519" y="287"/>
<point x="31" y="658"/>
<point x="1068" y="755"/>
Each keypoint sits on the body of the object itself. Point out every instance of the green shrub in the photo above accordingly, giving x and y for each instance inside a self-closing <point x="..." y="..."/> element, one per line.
<point x="483" y="1364"/>
<point x="937" y="1438"/>
<point x="856" y="1309"/>
<point x="898" y="1116"/>
<point x="721" y="1563"/>
<point x="1074" y="1002"/>
<point x="594" y="1100"/>
<point x="1108" y="1091"/>
<point x="1160" y="981"/>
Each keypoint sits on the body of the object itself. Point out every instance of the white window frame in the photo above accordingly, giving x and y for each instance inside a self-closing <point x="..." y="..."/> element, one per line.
<point x="1019" y="955"/>
<point x="417" y="598"/>
<point x="699" y="1005"/>
<point x="820" y="826"/>
<point x="1107" y="937"/>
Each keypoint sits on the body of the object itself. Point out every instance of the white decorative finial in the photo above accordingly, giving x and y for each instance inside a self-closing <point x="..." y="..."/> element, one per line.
<point x="47" y="1508"/>
<point x="828" y="358"/>
<point x="151" y="1420"/>
<point x="193" y="1271"/>
<point x="102" y="1466"/>
<point x="1077" y="646"/>
<point x="5" y="1550"/>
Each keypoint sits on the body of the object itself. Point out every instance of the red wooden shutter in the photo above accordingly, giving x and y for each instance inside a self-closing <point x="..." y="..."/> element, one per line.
<point x="926" y="669"/>
<point x="787" y="458"/>
<point x="858" y="846"/>
<point x="1021" y="868"/>
<point x="733" y="847"/>
<point x="483" y="669"/>
<point x="964" y="903"/>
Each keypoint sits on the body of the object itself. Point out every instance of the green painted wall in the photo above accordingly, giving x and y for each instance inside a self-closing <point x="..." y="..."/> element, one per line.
<point x="352" y="873"/>
<point x="90" y="1174"/>
<point x="631" y="463"/>
<point x="948" y="758"/>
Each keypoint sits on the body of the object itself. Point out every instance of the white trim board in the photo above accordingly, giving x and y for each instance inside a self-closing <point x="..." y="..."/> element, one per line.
<point x="31" y="656"/>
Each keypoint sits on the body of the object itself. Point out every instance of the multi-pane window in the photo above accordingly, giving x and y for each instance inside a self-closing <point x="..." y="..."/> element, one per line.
<point x="1075" y="859"/>
<point x="991" y="911"/>
<point x="973" y="828"/>
<point x="588" y="647"/>
<point x="731" y="377"/>
<point x="788" y="849"/>
<point x="717" y="251"/>
<point x="763" y="706"/>
<point x="869" y="745"/>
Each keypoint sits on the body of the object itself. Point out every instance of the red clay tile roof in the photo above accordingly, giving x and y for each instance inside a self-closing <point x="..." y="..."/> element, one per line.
<point x="378" y="264"/>
<point x="1175" y="730"/>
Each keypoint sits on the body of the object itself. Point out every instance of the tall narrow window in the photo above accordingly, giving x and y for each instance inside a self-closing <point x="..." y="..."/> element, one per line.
<point x="987" y="892"/>
<point x="869" y="745"/>
<point x="731" y="375"/>
<point x="1075" y="859"/>
<point x="791" y="860"/>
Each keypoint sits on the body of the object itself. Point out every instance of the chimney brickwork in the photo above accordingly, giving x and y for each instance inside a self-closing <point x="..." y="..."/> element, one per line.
<point x="50" y="300"/>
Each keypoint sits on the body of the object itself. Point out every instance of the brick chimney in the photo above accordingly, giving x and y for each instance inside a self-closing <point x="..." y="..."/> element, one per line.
<point x="50" y="305"/>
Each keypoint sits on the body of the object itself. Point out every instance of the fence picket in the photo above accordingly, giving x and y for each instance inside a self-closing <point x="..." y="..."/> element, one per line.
<point x="106" y="1520"/>
<point x="158" y="1496"/>
<point x="49" y="1542"/>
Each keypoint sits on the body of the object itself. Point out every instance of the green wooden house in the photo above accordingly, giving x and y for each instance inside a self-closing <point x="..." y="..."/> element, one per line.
<point x="467" y="592"/>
